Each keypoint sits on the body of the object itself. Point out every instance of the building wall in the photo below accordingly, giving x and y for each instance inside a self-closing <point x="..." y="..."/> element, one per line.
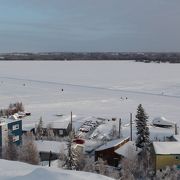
<point x="16" y="132"/>
<point x="167" y="160"/>
<point x="0" y="136"/>
<point x="44" y="156"/>
<point x="109" y="154"/>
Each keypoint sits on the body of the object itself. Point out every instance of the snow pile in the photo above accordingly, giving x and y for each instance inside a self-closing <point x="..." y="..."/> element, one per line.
<point x="10" y="170"/>
<point x="162" y="121"/>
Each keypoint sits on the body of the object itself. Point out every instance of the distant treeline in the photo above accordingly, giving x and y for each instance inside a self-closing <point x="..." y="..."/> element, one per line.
<point x="12" y="109"/>
<point x="61" y="56"/>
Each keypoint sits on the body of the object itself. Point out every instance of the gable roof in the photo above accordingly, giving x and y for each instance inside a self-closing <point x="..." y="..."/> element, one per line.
<point x="166" y="147"/>
<point x="128" y="150"/>
<point x="111" y="144"/>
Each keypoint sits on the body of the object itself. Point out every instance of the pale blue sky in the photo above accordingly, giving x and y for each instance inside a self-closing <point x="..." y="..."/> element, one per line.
<point x="89" y="25"/>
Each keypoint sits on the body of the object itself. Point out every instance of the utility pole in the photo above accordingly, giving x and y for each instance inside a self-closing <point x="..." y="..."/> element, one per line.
<point x="131" y="126"/>
<point x="71" y="122"/>
<point x="119" y="127"/>
<point x="50" y="156"/>
<point x="176" y="131"/>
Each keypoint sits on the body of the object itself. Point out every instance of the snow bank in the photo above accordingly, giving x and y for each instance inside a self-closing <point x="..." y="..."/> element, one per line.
<point x="11" y="170"/>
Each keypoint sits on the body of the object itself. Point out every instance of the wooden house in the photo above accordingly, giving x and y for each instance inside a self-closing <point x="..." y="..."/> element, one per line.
<point x="57" y="128"/>
<point x="107" y="151"/>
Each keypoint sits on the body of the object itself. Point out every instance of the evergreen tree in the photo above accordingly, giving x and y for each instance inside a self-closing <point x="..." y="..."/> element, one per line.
<point x="71" y="160"/>
<point x="142" y="140"/>
<point x="39" y="129"/>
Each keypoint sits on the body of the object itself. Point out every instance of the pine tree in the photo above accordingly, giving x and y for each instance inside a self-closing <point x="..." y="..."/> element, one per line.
<point x="39" y="129"/>
<point x="71" y="160"/>
<point x="142" y="140"/>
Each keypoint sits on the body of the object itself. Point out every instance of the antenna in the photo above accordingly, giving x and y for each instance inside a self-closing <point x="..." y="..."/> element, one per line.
<point x="119" y="127"/>
<point x="131" y="126"/>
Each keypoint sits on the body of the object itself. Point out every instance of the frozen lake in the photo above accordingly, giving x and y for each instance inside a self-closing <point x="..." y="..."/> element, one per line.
<point x="96" y="88"/>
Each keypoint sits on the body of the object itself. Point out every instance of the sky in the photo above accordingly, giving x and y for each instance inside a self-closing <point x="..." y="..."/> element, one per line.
<point x="89" y="25"/>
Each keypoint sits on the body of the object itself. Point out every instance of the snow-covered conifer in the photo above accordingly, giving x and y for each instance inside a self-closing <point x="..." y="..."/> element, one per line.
<point x="142" y="140"/>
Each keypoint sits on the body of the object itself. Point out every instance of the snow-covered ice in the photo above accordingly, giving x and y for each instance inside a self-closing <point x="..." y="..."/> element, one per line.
<point x="96" y="88"/>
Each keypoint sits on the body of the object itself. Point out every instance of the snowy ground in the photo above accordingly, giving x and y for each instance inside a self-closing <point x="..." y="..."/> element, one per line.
<point x="11" y="170"/>
<point x="92" y="88"/>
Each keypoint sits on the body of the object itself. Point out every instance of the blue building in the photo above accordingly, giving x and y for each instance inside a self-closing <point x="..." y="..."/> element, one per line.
<point x="10" y="127"/>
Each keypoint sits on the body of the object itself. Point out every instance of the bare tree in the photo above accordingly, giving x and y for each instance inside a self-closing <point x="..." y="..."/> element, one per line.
<point x="28" y="151"/>
<point x="10" y="151"/>
<point x="50" y="133"/>
<point x="168" y="173"/>
<point x="62" y="157"/>
<point x="101" y="167"/>
<point x="113" y="132"/>
<point x="89" y="165"/>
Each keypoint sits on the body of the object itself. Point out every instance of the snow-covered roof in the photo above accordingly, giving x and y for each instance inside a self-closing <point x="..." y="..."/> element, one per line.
<point x="91" y="144"/>
<point x="111" y="144"/>
<point x="7" y="120"/>
<point x="28" y="127"/>
<point x="159" y="134"/>
<point x="61" y="122"/>
<point x="177" y="137"/>
<point x="14" y="116"/>
<point x="53" y="146"/>
<point x="56" y="124"/>
<point x="162" y="121"/>
<point x="128" y="150"/>
<point x="167" y="147"/>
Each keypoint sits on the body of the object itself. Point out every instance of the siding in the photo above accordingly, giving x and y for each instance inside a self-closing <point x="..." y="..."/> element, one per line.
<point x="0" y="136"/>
<point x="167" y="160"/>
<point x="109" y="154"/>
<point x="17" y="132"/>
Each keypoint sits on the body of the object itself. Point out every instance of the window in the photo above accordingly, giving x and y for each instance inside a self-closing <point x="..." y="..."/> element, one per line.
<point x="15" y="127"/>
<point x="15" y="138"/>
<point x="177" y="157"/>
<point x="61" y="132"/>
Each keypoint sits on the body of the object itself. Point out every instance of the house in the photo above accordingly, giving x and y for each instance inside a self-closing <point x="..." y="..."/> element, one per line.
<point x="57" y="127"/>
<point x="28" y="128"/>
<point x="162" y="122"/>
<point x="45" y="148"/>
<point x="107" y="151"/>
<point x="128" y="150"/>
<point x="9" y="127"/>
<point x="166" y="154"/>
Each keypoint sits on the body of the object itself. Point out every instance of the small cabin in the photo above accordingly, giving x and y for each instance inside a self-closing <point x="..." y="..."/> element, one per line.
<point x="107" y="151"/>
<point x="162" y="122"/>
<point x="58" y="128"/>
<point x="51" y="149"/>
